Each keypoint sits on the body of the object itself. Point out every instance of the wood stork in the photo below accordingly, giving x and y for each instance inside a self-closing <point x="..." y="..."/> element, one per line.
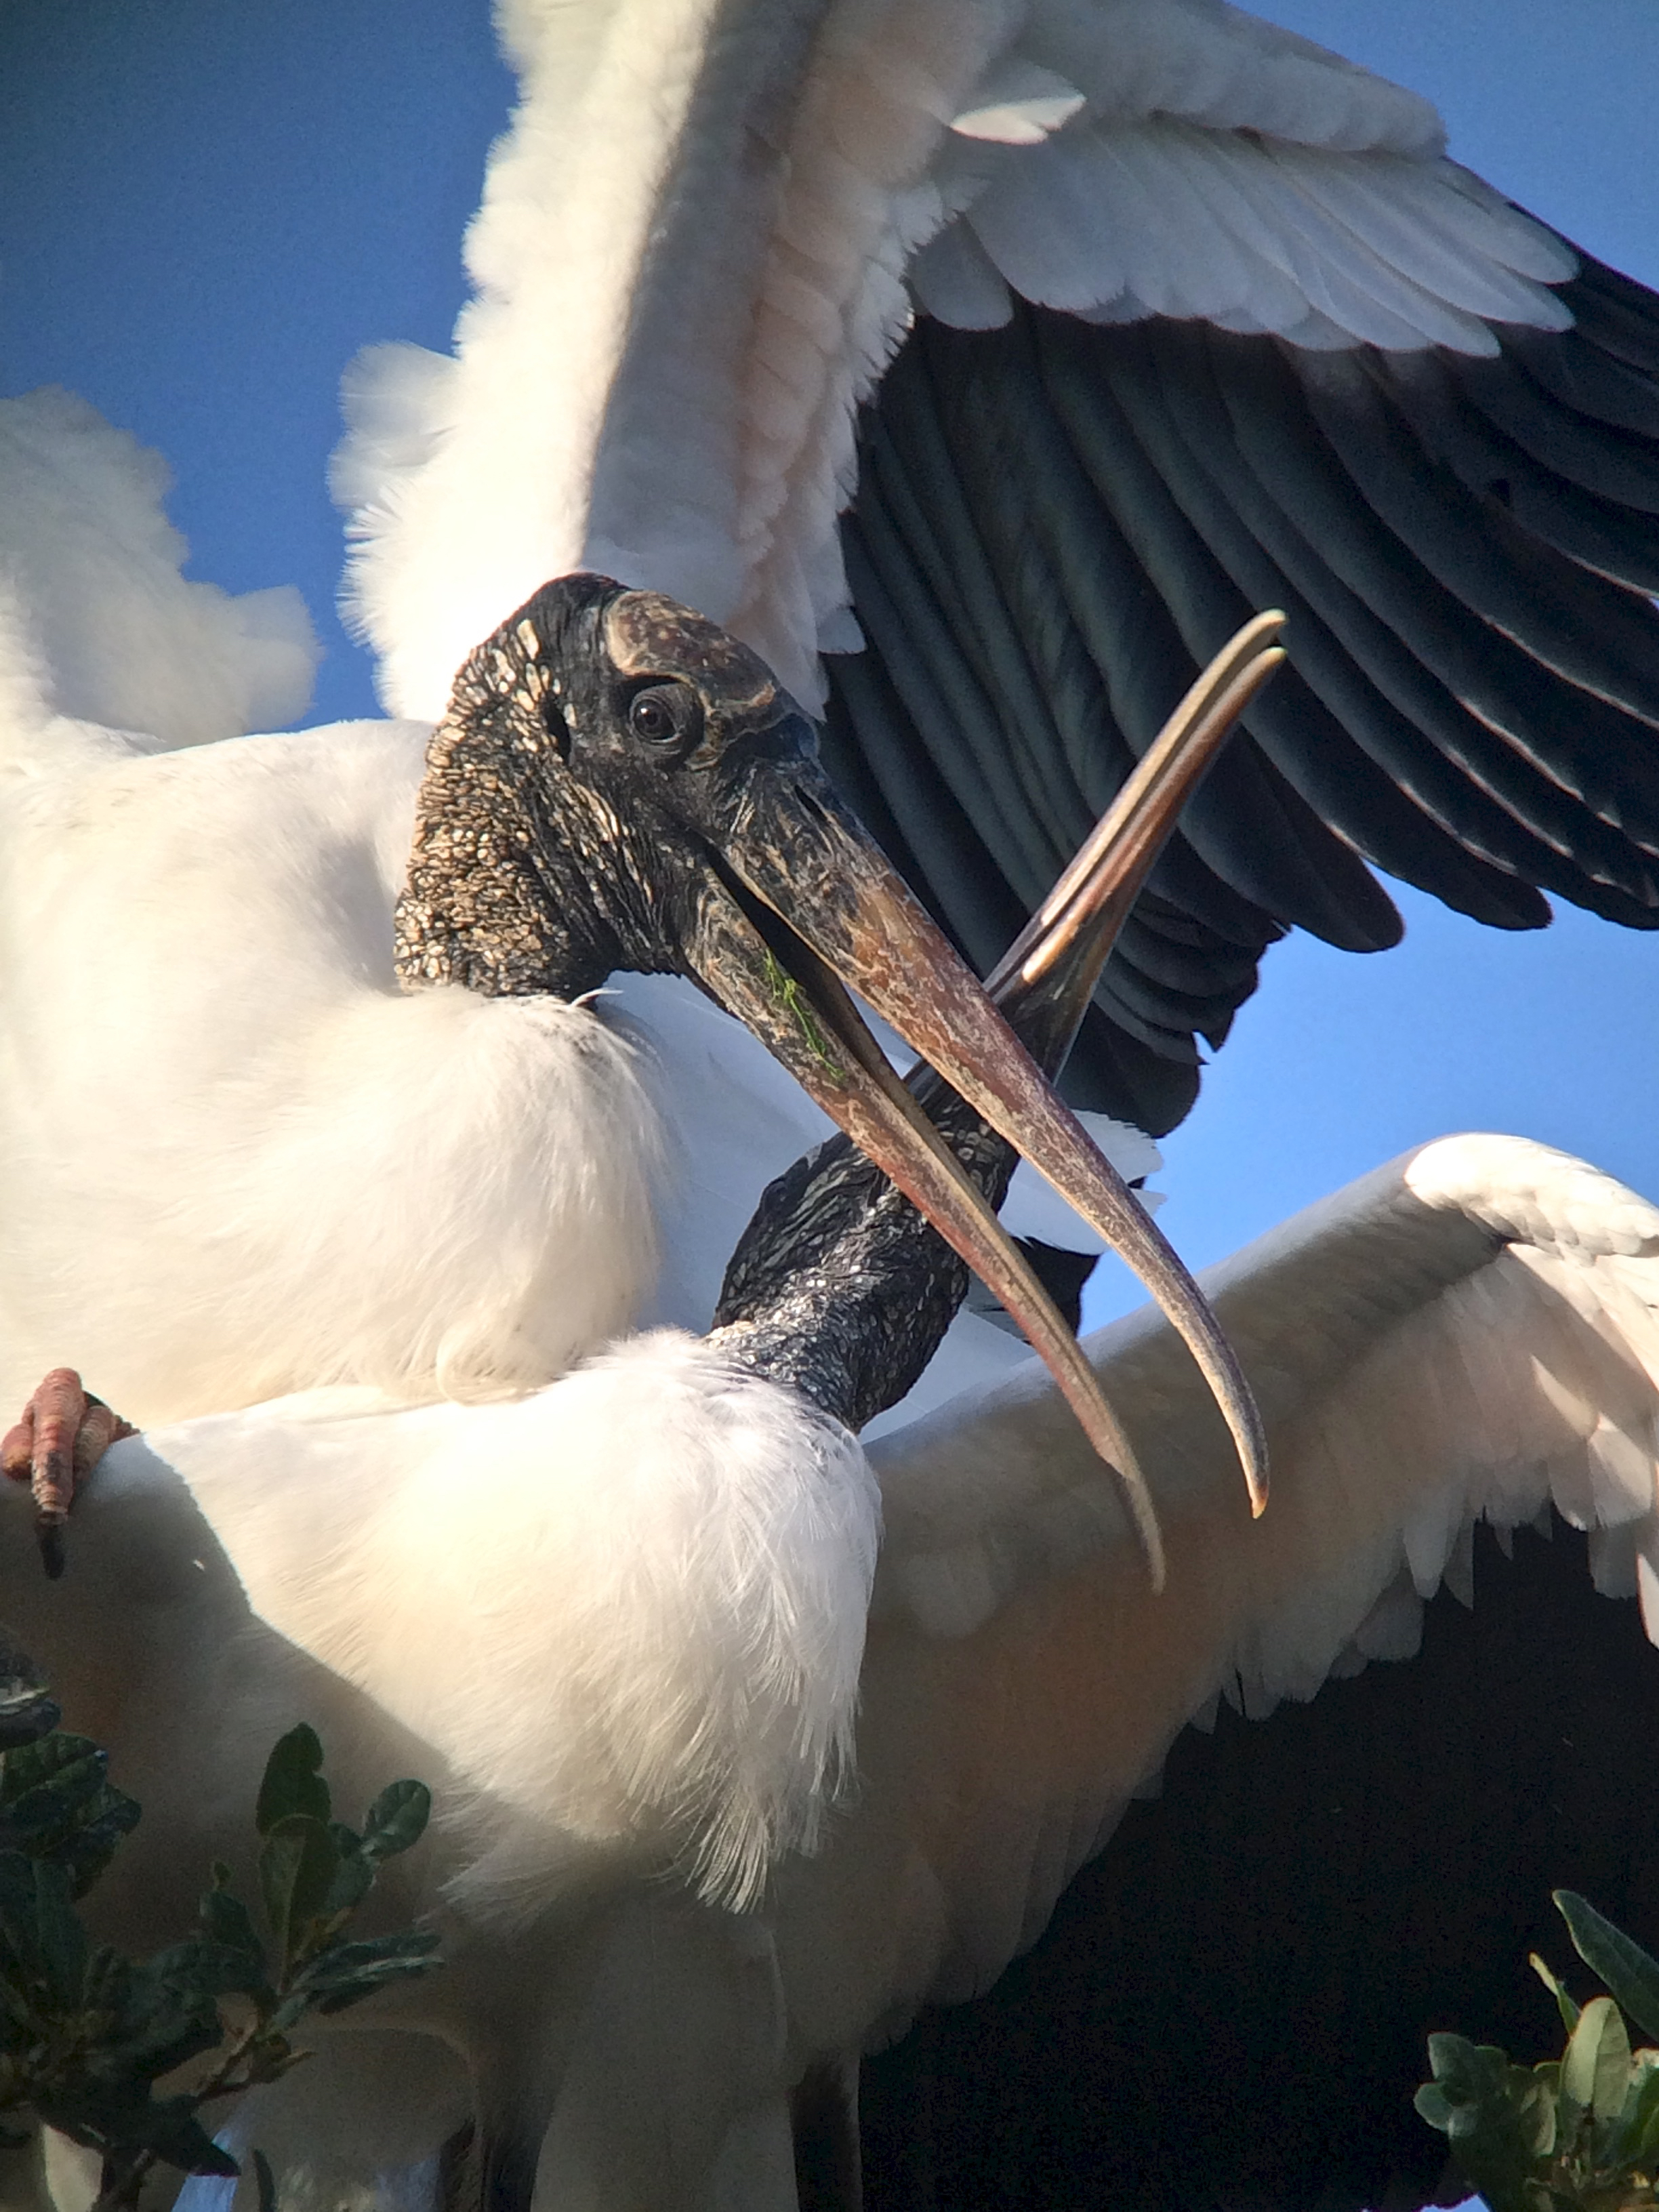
<point x="702" y="450"/>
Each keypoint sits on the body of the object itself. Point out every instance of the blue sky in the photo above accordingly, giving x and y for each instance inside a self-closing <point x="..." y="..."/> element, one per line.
<point x="206" y="207"/>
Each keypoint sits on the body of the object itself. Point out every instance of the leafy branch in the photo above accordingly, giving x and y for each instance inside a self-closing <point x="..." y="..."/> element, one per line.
<point x="1575" y="2133"/>
<point x="86" y="2032"/>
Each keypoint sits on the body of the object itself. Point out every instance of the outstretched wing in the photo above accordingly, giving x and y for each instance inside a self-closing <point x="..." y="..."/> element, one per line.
<point x="1473" y="1332"/>
<point x="1055" y="524"/>
<point x="1191" y="318"/>
<point x="1236" y="335"/>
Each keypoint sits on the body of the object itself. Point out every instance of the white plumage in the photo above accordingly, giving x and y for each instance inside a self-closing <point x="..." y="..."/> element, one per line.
<point x="323" y="1179"/>
<point x="1472" y="1331"/>
<point x="667" y="392"/>
<point x="635" y="1647"/>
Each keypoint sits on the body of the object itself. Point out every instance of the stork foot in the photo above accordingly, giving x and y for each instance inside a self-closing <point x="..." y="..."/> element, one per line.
<point x="62" y="1435"/>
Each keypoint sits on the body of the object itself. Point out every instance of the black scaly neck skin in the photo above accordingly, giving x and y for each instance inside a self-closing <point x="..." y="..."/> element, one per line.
<point x="838" y="1288"/>
<point x="522" y="879"/>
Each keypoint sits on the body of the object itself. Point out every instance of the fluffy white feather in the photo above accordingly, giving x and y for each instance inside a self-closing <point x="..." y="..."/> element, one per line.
<point x="245" y="1163"/>
<point x="646" y="1620"/>
<point x="617" y="1624"/>
<point x="668" y="395"/>
<point x="667" y="391"/>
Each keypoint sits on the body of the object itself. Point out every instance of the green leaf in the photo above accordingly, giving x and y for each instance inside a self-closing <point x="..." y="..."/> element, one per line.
<point x="107" y="1981"/>
<point x="1470" y="2073"/>
<point x="1564" y="2003"/>
<point x="297" y="1865"/>
<point x="1499" y="2119"/>
<point x="168" y="2026"/>
<point x="212" y="1968"/>
<point x="1595" y="2065"/>
<point x="346" y="1973"/>
<point x="1433" y="2105"/>
<point x="397" y="1820"/>
<point x="226" y="1921"/>
<point x="293" y="1782"/>
<point x="56" y="1802"/>
<point x="41" y="1781"/>
<point x="291" y="2011"/>
<point x="26" y="1712"/>
<point x="355" y="1875"/>
<point x="18" y="1933"/>
<point x="1532" y="2110"/>
<point x="1628" y="1971"/>
<point x="40" y="1929"/>
<point x="89" y="1849"/>
<point x="1642" y="2115"/>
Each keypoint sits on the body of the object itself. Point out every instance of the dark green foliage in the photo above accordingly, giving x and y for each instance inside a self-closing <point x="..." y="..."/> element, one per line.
<point x="1625" y="1968"/>
<point x="1576" y="2134"/>
<point x="56" y="1805"/>
<point x="85" y="2034"/>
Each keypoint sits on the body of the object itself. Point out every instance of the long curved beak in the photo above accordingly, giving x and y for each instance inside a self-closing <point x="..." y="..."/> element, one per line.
<point x="803" y="906"/>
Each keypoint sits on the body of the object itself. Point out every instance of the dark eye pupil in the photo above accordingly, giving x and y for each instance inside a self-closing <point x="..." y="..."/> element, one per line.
<point x="652" y="717"/>
<point x="667" y="717"/>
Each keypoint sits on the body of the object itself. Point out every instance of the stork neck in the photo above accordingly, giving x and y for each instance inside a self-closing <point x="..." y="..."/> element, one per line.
<point x="838" y="1287"/>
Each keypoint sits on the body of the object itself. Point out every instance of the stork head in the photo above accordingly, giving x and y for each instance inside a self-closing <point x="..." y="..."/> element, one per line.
<point x="618" y="784"/>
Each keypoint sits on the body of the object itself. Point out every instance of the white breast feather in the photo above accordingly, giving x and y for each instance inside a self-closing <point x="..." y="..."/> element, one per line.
<point x="629" y="1606"/>
<point x="285" y="1171"/>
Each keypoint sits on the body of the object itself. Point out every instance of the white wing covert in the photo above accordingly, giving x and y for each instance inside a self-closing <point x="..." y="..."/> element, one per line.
<point x="690" y="267"/>
<point x="1472" y="1331"/>
<point x="1214" y="166"/>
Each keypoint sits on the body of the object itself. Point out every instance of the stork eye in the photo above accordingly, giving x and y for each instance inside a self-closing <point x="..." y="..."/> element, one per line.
<point x="666" y="717"/>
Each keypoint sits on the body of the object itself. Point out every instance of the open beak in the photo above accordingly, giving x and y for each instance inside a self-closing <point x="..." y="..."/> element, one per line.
<point x="803" y="906"/>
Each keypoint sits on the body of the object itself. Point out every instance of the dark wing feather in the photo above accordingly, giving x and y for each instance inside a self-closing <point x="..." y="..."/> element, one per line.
<point x="1230" y="2005"/>
<point x="1057" y="523"/>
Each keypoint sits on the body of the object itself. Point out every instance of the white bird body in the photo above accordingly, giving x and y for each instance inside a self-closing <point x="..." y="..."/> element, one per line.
<point x="1020" y="1685"/>
<point x="323" y="1178"/>
<point x="426" y="1193"/>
